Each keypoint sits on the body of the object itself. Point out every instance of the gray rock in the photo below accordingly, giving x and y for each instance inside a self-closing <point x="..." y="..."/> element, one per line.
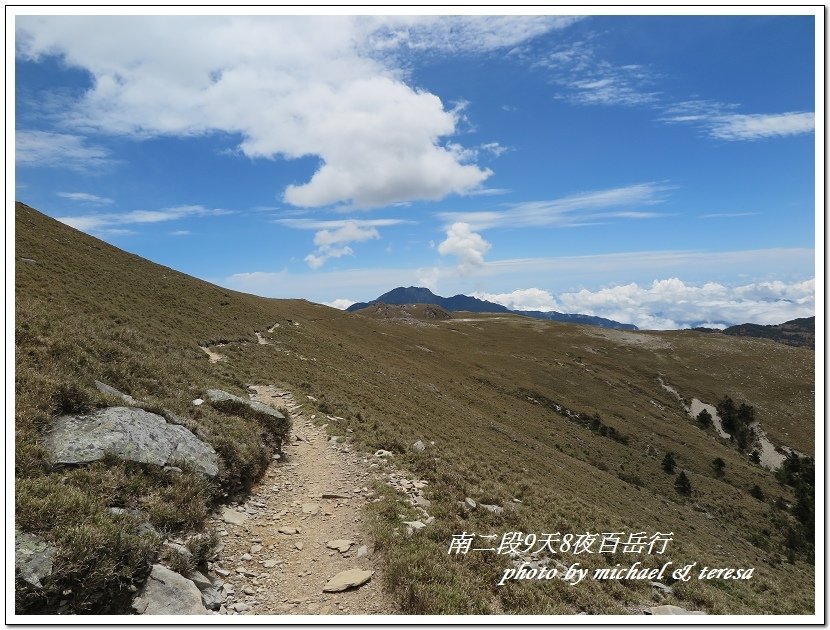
<point x="200" y="580"/>
<point x="383" y="453"/>
<point x="419" y="446"/>
<point x="673" y="610"/>
<point x="413" y="526"/>
<point x="496" y="509"/>
<point x="335" y="495"/>
<point x="362" y="551"/>
<point x="270" y="564"/>
<point x="256" y="548"/>
<point x="131" y="434"/>
<point x="142" y="526"/>
<point x="347" y="579"/>
<point x="470" y="503"/>
<point x="32" y="558"/>
<point x="241" y="607"/>
<point x="179" y="549"/>
<point x="288" y="530"/>
<point x="340" y="545"/>
<point x="233" y="517"/>
<point x="422" y="501"/>
<point x="219" y="398"/>
<point x="168" y="593"/>
<point x="212" y="597"/>
<point x="223" y="401"/>
<point x="197" y="402"/>
<point x="111" y="391"/>
<point x="662" y="587"/>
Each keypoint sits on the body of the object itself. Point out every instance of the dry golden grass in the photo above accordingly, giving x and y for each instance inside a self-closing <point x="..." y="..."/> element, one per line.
<point x="482" y="388"/>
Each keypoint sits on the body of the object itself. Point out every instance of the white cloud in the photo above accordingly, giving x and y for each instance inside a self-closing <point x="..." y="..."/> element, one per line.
<point x="758" y="126"/>
<point x="460" y="34"/>
<point x="468" y="246"/>
<point x="59" y="150"/>
<point x="85" y="197"/>
<point x="672" y="303"/>
<point x="180" y="233"/>
<point x="333" y="243"/>
<point x="289" y="86"/>
<point x="315" y="224"/>
<point x="103" y="222"/>
<point x="522" y="299"/>
<point x="589" y="80"/>
<point x="558" y="275"/>
<point x="720" y="120"/>
<point x="727" y="215"/>
<point x="340" y="303"/>
<point x="572" y="210"/>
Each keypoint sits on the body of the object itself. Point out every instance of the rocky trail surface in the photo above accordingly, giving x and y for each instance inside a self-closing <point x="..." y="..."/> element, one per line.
<point x="298" y="545"/>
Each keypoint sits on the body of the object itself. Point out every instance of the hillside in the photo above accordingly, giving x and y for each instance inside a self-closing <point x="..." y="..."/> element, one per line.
<point x="564" y="427"/>
<point x="796" y="332"/>
<point x="415" y="314"/>
<point x="578" y="318"/>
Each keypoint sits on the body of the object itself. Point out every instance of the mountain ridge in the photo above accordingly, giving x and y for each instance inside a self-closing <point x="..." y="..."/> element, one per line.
<point x="461" y="302"/>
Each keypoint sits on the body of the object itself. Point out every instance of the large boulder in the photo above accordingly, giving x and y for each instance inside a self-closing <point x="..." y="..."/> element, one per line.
<point x="131" y="434"/>
<point x="32" y="558"/>
<point x="168" y="593"/>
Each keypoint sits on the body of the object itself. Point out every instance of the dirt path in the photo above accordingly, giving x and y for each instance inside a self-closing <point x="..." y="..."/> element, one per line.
<point x="318" y="489"/>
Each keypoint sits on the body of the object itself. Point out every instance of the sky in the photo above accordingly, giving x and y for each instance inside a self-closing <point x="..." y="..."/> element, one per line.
<point x="656" y="170"/>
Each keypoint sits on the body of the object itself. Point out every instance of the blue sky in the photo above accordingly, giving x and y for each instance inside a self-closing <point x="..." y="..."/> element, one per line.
<point x="655" y="170"/>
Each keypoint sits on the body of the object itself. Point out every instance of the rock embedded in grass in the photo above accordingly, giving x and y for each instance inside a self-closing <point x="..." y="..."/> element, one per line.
<point x="111" y="391"/>
<point x="168" y="593"/>
<point x="129" y="434"/>
<point x="32" y="557"/>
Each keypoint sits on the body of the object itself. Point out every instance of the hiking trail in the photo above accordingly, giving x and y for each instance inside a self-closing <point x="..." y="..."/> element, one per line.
<point x="280" y="556"/>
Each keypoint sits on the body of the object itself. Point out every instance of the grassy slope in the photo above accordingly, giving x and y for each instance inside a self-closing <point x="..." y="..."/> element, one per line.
<point x="86" y="310"/>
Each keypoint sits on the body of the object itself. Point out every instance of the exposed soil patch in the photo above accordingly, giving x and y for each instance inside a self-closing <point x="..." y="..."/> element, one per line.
<point x="213" y="357"/>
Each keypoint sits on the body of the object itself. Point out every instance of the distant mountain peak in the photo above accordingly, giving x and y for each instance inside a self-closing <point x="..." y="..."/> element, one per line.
<point x="461" y="302"/>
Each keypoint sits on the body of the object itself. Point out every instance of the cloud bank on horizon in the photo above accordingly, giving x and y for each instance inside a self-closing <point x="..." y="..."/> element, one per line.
<point x="436" y="150"/>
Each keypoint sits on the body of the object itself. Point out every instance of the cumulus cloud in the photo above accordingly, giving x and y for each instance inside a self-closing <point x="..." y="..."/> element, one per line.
<point x="671" y="303"/>
<point x="289" y="86"/>
<point x="468" y="246"/>
<point x="532" y="299"/>
<point x="333" y="243"/>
